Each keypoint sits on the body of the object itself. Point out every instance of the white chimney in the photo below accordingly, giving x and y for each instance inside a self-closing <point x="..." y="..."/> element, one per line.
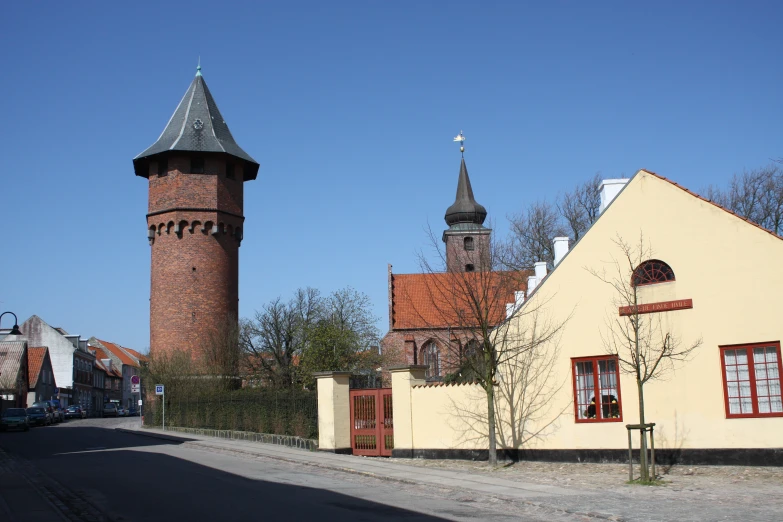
<point x="519" y="298"/>
<point x="531" y="284"/>
<point x="540" y="269"/>
<point x="609" y="190"/>
<point x="510" y="309"/>
<point x="561" y="249"/>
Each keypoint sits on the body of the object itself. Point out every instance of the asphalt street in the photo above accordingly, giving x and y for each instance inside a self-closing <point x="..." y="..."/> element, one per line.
<point x="102" y="474"/>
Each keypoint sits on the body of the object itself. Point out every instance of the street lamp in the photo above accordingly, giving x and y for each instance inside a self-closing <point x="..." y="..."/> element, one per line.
<point x="15" y="329"/>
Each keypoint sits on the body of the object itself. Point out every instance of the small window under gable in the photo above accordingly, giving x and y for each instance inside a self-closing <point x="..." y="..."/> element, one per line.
<point x="652" y="272"/>
<point x="468" y="243"/>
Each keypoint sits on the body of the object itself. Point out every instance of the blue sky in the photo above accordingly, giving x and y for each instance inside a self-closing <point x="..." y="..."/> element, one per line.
<point x="350" y="108"/>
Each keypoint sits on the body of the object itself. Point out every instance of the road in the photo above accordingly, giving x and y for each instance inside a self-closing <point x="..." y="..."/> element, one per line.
<point x="101" y="474"/>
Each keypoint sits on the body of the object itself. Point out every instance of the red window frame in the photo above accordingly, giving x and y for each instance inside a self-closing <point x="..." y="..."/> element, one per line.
<point x="751" y="378"/>
<point x="652" y="272"/>
<point x="599" y="410"/>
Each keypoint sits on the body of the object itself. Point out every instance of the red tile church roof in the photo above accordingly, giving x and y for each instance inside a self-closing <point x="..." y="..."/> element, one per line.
<point x="436" y="300"/>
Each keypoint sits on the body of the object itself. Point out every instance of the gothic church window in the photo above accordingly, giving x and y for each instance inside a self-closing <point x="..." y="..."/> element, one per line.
<point x="430" y="357"/>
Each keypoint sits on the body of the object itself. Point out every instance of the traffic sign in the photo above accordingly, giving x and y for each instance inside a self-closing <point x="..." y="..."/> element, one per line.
<point x="139" y="402"/>
<point x="159" y="389"/>
<point x="135" y="379"/>
<point x="135" y="388"/>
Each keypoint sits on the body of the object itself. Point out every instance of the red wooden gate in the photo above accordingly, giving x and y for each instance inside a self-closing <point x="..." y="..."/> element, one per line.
<point x="372" y="425"/>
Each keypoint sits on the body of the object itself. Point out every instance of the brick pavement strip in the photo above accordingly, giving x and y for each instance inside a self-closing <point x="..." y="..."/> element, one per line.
<point x="69" y="505"/>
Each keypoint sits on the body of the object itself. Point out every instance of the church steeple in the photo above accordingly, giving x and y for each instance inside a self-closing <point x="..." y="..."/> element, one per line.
<point x="467" y="240"/>
<point x="465" y="208"/>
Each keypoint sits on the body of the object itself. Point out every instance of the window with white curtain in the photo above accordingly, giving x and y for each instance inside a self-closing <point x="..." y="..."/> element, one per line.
<point x="751" y="380"/>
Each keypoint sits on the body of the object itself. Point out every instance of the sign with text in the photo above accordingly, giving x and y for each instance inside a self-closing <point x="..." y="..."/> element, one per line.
<point x="663" y="306"/>
<point x="159" y="389"/>
<point x="135" y="388"/>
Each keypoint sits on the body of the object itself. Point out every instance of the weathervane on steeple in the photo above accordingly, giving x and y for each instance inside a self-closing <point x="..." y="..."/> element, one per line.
<point x="461" y="139"/>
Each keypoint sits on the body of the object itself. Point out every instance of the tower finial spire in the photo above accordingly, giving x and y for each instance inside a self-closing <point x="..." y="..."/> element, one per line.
<point x="461" y="139"/>
<point x="198" y="67"/>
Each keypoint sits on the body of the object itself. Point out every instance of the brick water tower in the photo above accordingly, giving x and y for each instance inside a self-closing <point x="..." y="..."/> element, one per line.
<point x="196" y="173"/>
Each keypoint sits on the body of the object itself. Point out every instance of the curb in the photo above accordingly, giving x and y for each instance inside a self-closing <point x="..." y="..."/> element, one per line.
<point x="170" y="438"/>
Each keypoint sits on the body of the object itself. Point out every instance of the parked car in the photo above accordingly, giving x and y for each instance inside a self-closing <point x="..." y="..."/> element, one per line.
<point x="60" y="413"/>
<point x="14" y="418"/>
<point x="133" y="412"/>
<point x="75" y="412"/>
<point x="39" y="416"/>
<point x="51" y="409"/>
<point x="110" y="410"/>
<point x="122" y="412"/>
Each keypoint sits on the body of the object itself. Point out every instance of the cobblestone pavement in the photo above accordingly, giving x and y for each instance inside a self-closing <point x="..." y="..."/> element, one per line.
<point x="69" y="505"/>
<point x="695" y="493"/>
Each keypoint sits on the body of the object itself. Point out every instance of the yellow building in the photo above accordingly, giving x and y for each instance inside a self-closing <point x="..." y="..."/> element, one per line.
<point x="698" y="281"/>
<point x="705" y="279"/>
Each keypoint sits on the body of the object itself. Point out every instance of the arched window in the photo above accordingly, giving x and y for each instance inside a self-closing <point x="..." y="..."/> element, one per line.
<point x="652" y="272"/>
<point x="430" y="357"/>
<point x="468" y="242"/>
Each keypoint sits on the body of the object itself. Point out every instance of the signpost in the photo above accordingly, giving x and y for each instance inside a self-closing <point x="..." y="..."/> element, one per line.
<point x="159" y="390"/>
<point x="136" y="388"/>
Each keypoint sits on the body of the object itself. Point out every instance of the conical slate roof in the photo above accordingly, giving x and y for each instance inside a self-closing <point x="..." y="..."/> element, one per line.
<point x="465" y="209"/>
<point x="196" y="126"/>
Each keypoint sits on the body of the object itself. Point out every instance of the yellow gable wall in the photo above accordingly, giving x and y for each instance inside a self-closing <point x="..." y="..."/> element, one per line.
<point x="732" y="270"/>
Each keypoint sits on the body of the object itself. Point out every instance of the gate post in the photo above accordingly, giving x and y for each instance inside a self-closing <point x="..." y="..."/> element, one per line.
<point x="334" y="413"/>
<point x="404" y="378"/>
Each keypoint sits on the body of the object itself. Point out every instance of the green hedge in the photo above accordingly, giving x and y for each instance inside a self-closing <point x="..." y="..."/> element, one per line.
<point x="280" y="412"/>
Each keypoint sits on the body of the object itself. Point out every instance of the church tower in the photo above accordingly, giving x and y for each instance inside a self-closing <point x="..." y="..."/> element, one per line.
<point x="467" y="240"/>
<point x="195" y="219"/>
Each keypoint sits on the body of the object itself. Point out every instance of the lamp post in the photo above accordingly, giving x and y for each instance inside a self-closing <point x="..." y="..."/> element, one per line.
<point x="15" y="329"/>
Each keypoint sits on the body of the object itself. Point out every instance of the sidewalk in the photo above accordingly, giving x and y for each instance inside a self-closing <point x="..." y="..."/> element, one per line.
<point x="381" y="468"/>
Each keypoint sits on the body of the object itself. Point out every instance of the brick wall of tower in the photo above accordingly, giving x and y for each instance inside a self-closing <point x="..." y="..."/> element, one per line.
<point x="457" y="257"/>
<point x="194" y="272"/>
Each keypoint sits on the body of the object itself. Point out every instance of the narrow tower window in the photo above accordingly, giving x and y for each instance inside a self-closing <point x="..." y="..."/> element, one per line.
<point x="163" y="166"/>
<point x="229" y="170"/>
<point x="468" y="242"/>
<point x="197" y="165"/>
<point x="470" y="268"/>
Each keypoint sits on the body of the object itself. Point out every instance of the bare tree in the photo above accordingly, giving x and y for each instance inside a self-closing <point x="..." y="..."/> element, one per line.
<point x="579" y="208"/>
<point x="644" y="344"/>
<point x="474" y="329"/>
<point x="532" y="231"/>
<point x="756" y="195"/>
<point x="274" y="340"/>
<point x="220" y="354"/>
